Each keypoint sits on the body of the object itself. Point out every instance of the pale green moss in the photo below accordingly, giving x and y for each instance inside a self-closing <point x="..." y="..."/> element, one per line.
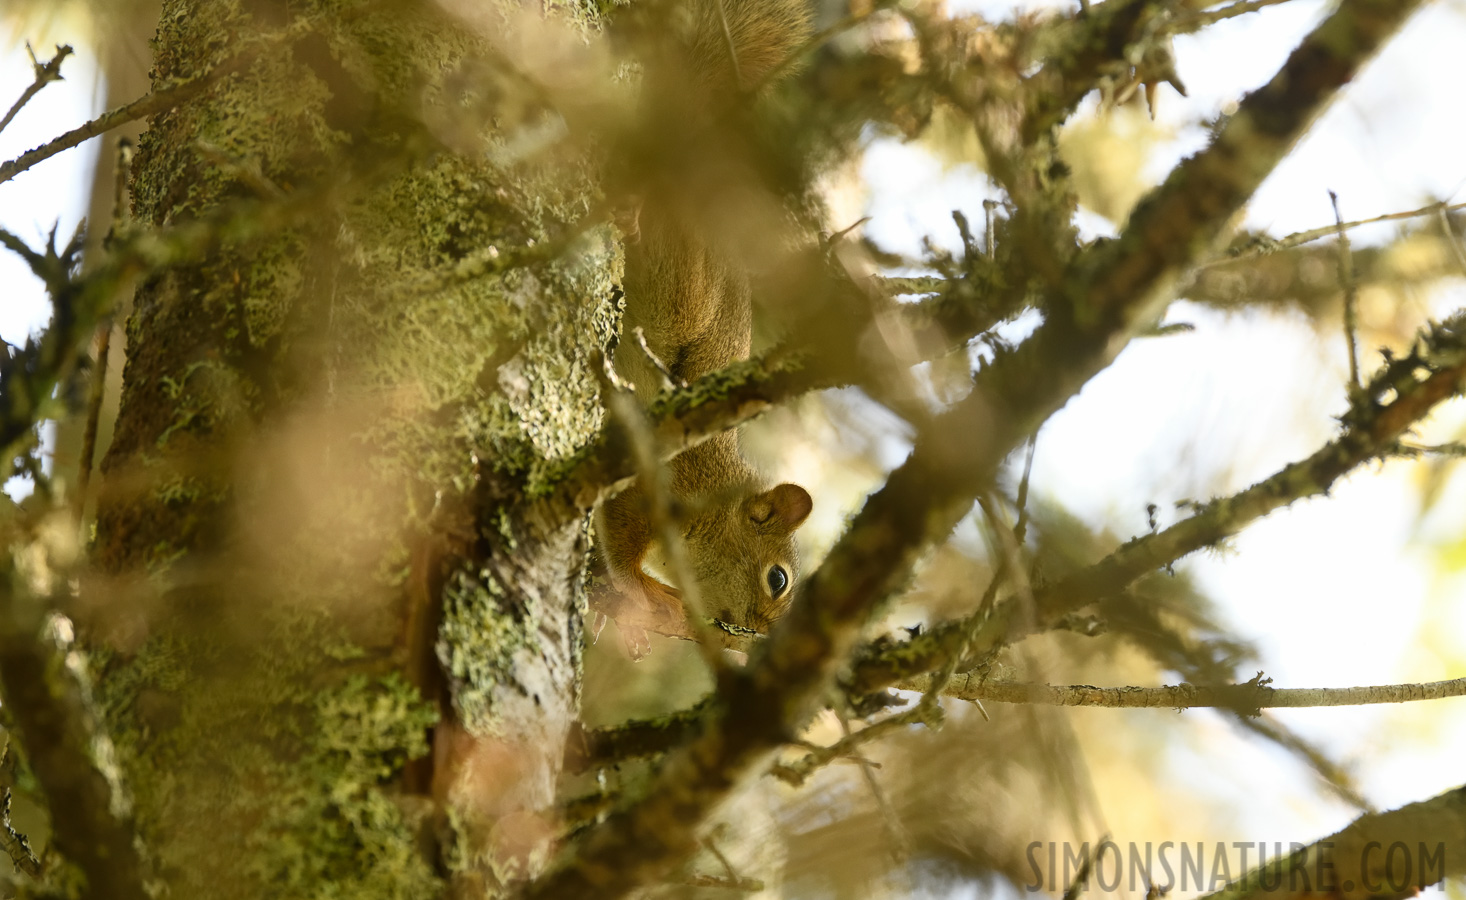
<point x="318" y="818"/>
<point x="478" y="641"/>
<point x="277" y="735"/>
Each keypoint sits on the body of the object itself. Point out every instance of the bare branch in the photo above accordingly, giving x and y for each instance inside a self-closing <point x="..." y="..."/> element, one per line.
<point x="1351" y="295"/>
<point x="797" y="772"/>
<point x="158" y="101"/>
<point x="1255" y="695"/>
<point x="46" y="72"/>
<point x="1261" y="247"/>
<point x="1199" y="20"/>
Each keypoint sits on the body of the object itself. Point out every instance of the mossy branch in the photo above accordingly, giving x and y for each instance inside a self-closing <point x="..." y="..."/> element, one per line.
<point x="724" y="399"/>
<point x="683" y="418"/>
<point x="592" y="747"/>
<point x="1094" y="43"/>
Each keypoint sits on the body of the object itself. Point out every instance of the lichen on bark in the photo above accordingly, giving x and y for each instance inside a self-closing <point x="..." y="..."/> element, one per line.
<point x="303" y="409"/>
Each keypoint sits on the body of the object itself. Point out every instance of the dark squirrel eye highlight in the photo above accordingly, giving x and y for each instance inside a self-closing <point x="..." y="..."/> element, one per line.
<point x="778" y="580"/>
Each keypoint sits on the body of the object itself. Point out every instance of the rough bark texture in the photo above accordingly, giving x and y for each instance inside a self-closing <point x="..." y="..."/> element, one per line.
<point x="306" y="507"/>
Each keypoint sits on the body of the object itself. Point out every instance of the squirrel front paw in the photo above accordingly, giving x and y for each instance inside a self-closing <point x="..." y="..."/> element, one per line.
<point x="638" y="606"/>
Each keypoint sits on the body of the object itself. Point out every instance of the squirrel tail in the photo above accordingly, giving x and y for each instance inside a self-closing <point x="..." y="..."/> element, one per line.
<point x="739" y="42"/>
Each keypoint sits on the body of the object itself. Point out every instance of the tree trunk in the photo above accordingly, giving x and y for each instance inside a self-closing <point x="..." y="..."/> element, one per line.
<point x="314" y="537"/>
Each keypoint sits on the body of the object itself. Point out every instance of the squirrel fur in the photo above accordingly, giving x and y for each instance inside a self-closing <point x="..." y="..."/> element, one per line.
<point x="690" y="295"/>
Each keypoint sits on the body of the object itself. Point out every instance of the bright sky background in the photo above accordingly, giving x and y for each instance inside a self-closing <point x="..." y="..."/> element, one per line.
<point x="1242" y="389"/>
<point x="31" y="203"/>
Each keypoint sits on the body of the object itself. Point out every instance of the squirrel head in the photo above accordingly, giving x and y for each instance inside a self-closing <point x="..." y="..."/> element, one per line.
<point x="743" y="554"/>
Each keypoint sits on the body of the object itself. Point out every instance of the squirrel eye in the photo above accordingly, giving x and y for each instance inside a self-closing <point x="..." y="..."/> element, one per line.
<point x="778" y="580"/>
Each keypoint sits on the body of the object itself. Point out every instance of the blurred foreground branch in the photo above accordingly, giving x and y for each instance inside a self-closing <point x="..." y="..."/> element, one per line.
<point x="46" y="693"/>
<point x="1353" y="862"/>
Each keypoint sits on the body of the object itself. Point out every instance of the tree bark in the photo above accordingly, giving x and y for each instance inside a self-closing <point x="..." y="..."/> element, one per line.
<point x="314" y="556"/>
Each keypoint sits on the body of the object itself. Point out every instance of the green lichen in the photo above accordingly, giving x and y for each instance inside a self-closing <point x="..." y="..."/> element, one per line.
<point x="478" y="641"/>
<point x="254" y="715"/>
<point x="330" y="830"/>
<point x="319" y="817"/>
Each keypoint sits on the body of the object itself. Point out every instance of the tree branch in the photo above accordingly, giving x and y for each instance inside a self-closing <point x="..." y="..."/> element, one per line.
<point x="684" y="418"/>
<point x="1254" y="696"/>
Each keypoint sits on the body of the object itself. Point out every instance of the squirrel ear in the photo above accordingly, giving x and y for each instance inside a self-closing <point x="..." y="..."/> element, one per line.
<point x="789" y="504"/>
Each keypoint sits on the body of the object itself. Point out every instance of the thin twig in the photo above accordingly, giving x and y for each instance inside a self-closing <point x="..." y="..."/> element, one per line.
<point x="732" y="47"/>
<point x="797" y="772"/>
<point x="1351" y="295"/>
<point x="1333" y="775"/>
<point x="746" y="885"/>
<point x="120" y="219"/>
<point x="46" y="72"/>
<point x="896" y="285"/>
<point x="1252" y="697"/>
<point x="665" y="525"/>
<point x="1081" y="877"/>
<point x="158" y="101"/>
<point x="1453" y="240"/>
<point x="895" y="832"/>
<point x="989" y="239"/>
<point x="1420" y="381"/>
<point x="1452" y="449"/>
<point x="1199" y="20"/>
<point x="1020" y="528"/>
<point x="1262" y="247"/>
<point x="669" y="381"/>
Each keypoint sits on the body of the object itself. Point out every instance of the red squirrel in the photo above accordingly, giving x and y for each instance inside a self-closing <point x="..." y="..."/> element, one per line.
<point x="691" y="298"/>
